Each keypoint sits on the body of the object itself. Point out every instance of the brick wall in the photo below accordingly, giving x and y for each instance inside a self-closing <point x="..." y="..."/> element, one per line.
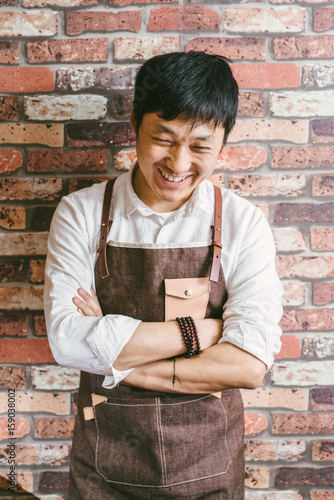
<point x="67" y="69"/>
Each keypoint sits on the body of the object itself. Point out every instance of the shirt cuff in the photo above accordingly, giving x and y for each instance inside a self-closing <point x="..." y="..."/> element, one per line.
<point x="110" y="381"/>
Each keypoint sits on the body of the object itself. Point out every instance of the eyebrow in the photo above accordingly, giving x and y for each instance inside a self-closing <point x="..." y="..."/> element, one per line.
<point x="164" y="129"/>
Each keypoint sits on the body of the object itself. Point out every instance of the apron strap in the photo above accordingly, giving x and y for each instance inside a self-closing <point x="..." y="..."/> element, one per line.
<point x="217" y="236"/>
<point x="105" y="226"/>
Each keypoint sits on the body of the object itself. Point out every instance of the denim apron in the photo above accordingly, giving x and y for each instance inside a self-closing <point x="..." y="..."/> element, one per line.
<point x="142" y="444"/>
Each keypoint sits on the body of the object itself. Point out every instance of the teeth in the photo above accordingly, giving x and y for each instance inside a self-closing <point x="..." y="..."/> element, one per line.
<point x="170" y="178"/>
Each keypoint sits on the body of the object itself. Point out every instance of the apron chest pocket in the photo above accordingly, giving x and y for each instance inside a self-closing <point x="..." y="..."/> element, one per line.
<point x="186" y="297"/>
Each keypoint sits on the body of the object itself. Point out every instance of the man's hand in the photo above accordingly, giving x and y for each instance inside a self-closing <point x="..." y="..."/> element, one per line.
<point x="89" y="305"/>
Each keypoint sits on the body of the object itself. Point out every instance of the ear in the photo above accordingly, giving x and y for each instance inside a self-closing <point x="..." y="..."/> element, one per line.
<point x="133" y="122"/>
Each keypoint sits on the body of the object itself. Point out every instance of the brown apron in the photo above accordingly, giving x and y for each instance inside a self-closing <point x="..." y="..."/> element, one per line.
<point x="142" y="444"/>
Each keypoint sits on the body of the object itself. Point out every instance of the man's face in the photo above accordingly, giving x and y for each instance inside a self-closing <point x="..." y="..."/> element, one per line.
<point x="173" y="158"/>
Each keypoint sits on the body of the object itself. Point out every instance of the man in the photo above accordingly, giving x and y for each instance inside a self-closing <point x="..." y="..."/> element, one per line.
<point x="159" y="410"/>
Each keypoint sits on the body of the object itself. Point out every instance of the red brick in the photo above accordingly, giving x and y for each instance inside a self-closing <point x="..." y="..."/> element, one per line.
<point x="296" y="131"/>
<point x="52" y="481"/>
<point x="26" y="79"/>
<point x="54" y="378"/>
<point x="80" y="22"/>
<point x="117" y="134"/>
<point x="36" y="271"/>
<point x="323" y="19"/>
<point x="54" y="428"/>
<point x="11" y="270"/>
<point x="307" y="319"/>
<point x="304" y="47"/>
<point x="318" y="346"/>
<point x="21" y="133"/>
<point x="241" y="157"/>
<point x="251" y="104"/>
<point x="184" y="18"/>
<point x="23" y="243"/>
<point x="303" y="156"/>
<point x="30" y="189"/>
<point x="322" y="130"/>
<point x="294" y="293"/>
<point x="293" y="476"/>
<point x="39" y="325"/>
<point x="306" y="267"/>
<point x="57" y="403"/>
<point x="257" y="477"/>
<point x="80" y="50"/>
<point x="125" y="159"/>
<point x="291" y="451"/>
<point x="9" y="52"/>
<point x="83" y="182"/>
<point x="66" y="160"/>
<point x="300" y="423"/>
<point x="26" y="351"/>
<point x="268" y="185"/>
<point x="318" y="75"/>
<point x="42" y="454"/>
<point x="322" y="495"/>
<point x="65" y="108"/>
<point x="144" y="47"/>
<point x="233" y="48"/>
<point x="24" y="483"/>
<point x="122" y="105"/>
<point x="267" y="75"/>
<point x="9" y="108"/>
<point x="269" y="397"/>
<point x="255" y="423"/>
<point x="40" y="218"/>
<point x="12" y="217"/>
<point x="22" y="428"/>
<point x="7" y="2"/>
<point x="323" y="293"/>
<point x="13" y="377"/>
<point x="322" y="399"/>
<point x="322" y="450"/>
<point x="291" y="347"/>
<point x="285" y="213"/>
<point x="260" y="20"/>
<point x="122" y="3"/>
<point x="16" y="298"/>
<point x="288" y="239"/>
<point x="37" y="23"/>
<point x="13" y="324"/>
<point x="10" y="160"/>
<point x="116" y="77"/>
<point x="60" y="3"/>
<point x="322" y="239"/>
<point x="323" y="185"/>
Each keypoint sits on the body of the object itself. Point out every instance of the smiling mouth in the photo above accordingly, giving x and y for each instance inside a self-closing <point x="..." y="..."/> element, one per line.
<point x="171" y="178"/>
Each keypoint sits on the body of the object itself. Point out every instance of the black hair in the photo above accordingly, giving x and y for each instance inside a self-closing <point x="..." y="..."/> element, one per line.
<point x="190" y="86"/>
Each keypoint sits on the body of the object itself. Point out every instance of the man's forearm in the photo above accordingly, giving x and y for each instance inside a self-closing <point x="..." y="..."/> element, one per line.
<point x="219" y="367"/>
<point x="157" y="341"/>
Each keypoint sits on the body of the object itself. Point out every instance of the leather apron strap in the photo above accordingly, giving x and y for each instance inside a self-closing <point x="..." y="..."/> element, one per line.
<point x="105" y="226"/>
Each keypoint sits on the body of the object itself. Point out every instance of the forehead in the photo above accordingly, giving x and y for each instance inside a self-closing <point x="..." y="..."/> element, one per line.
<point x="181" y="128"/>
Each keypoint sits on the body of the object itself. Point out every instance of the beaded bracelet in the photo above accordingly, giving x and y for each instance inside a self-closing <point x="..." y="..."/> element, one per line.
<point x="190" y="336"/>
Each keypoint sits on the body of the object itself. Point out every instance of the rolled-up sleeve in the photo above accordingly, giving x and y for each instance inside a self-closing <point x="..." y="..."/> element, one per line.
<point x="253" y="308"/>
<point x="87" y="343"/>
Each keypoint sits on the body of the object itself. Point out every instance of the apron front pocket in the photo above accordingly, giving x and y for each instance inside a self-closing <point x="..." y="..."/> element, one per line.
<point x="186" y="297"/>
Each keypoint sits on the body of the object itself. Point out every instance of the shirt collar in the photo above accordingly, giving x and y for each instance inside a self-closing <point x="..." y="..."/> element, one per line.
<point x="198" y="200"/>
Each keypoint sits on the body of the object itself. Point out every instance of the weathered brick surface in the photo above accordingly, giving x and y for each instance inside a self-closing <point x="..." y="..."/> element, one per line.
<point x="323" y="450"/>
<point x="184" y="18"/>
<point x="302" y="373"/>
<point x="51" y="481"/>
<point x="291" y="451"/>
<point x="9" y="108"/>
<point x="22" y="428"/>
<point x="39" y="325"/>
<point x="322" y="399"/>
<point x="36" y="271"/>
<point x="26" y="79"/>
<point x="10" y="160"/>
<point x="80" y="22"/>
<point x="303" y="157"/>
<point x="90" y="50"/>
<point x="57" y="403"/>
<point x="13" y="298"/>
<point x="24" y="482"/>
<point x="318" y="346"/>
<point x="13" y="377"/>
<point x="264" y="397"/>
<point x="125" y="159"/>
<point x="295" y="131"/>
<point x="294" y="293"/>
<point x="254" y="20"/>
<point x="286" y="477"/>
<point x="322" y="130"/>
<point x="291" y="347"/>
<point x="67" y="161"/>
<point x="122" y="3"/>
<point x="322" y="495"/>
<point x="26" y="351"/>
<point x="122" y="105"/>
<point x="267" y="75"/>
<point x="19" y="133"/>
<point x="323" y="19"/>
<point x="307" y="319"/>
<point x="40" y="218"/>
<point x="251" y="104"/>
<point x="12" y="217"/>
<point x="285" y="213"/>
<point x="38" y="454"/>
<point x="257" y="477"/>
<point x="304" y="47"/>
<point x="118" y="134"/>
<point x="54" y="108"/>
<point x="311" y="423"/>
<point x="289" y="240"/>
<point x="262" y="185"/>
<point x="54" y="378"/>
<point x="322" y="239"/>
<point x="96" y="78"/>
<point x="11" y="270"/>
<point x="30" y="189"/>
<point x="273" y="495"/>
<point x="23" y="243"/>
<point x="9" y="52"/>
<point x="255" y="423"/>
<point x="292" y="266"/>
<point x="144" y="47"/>
<point x="323" y="185"/>
<point x="241" y="157"/>
<point x="318" y="75"/>
<point x="323" y="293"/>
<point x="37" y="23"/>
<point x="13" y="325"/>
<point x="233" y="48"/>
<point x="58" y="3"/>
<point x="83" y="182"/>
<point x="54" y="428"/>
<point x="300" y="104"/>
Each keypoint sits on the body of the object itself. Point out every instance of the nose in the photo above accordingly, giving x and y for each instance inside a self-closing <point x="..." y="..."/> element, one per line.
<point x="179" y="159"/>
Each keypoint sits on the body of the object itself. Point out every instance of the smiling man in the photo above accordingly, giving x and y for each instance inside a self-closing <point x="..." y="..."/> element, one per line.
<point x="187" y="299"/>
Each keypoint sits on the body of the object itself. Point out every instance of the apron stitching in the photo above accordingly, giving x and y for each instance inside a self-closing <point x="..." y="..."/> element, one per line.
<point x="225" y="435"/>
<point x="157" y="408"/>
<point x="154" y="404"/>
<point x="163" y="442"/>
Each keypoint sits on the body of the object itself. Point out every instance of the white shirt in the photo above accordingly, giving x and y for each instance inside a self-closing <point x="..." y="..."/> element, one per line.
<point x="253" y="308"/>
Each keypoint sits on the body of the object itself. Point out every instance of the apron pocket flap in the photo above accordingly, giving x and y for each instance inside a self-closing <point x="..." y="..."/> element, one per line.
<point x="186" y="297"/>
